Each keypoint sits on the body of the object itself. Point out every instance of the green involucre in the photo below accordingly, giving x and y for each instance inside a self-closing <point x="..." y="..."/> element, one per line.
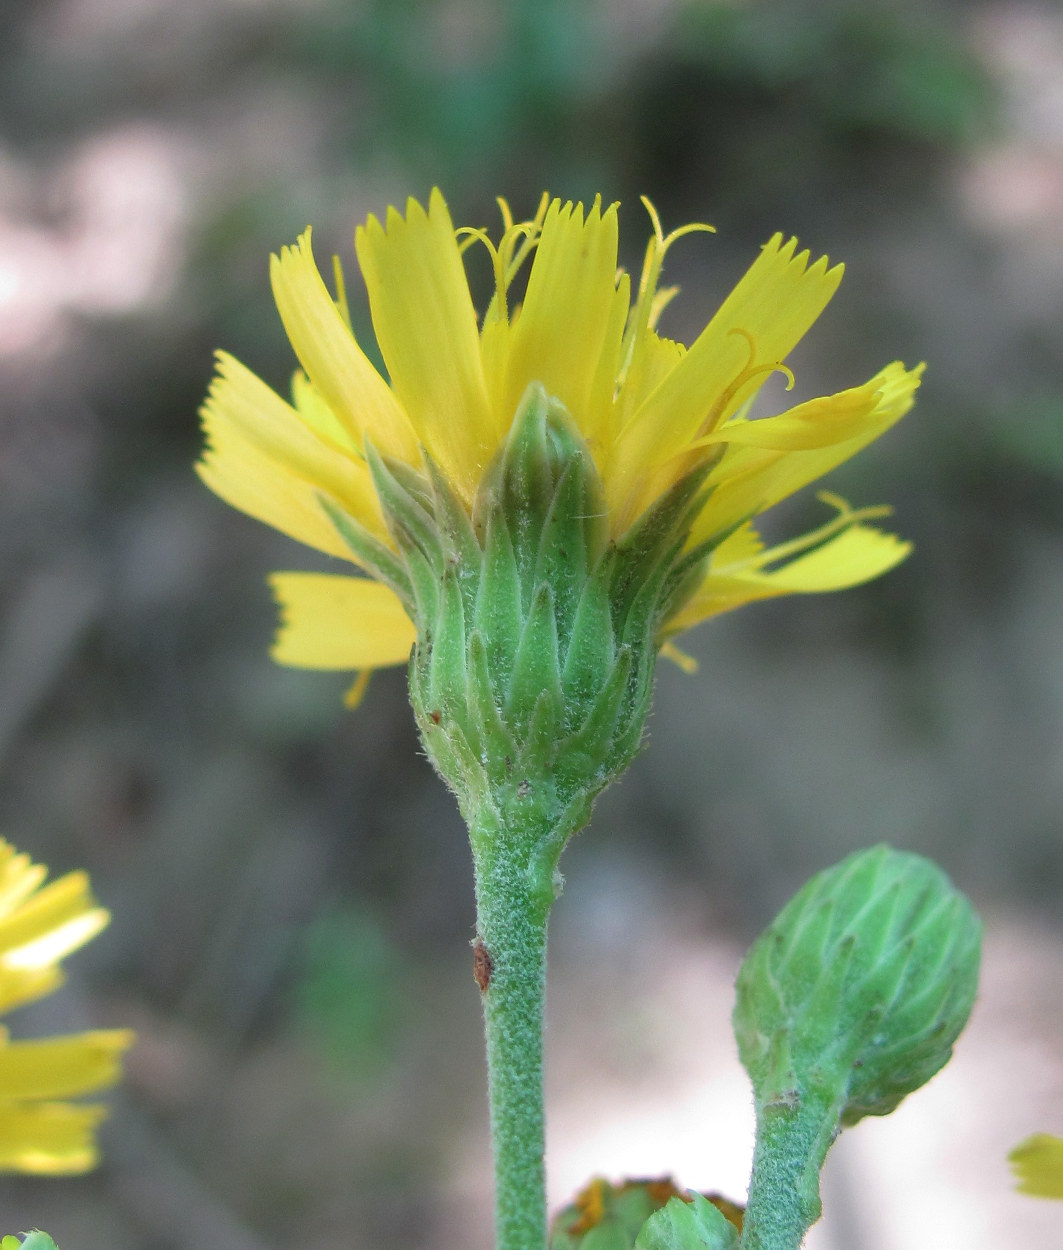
<point x="537" y="633"/>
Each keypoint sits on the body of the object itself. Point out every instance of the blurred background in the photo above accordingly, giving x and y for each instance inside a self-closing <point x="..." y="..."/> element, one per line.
<point x="290" y="884"/>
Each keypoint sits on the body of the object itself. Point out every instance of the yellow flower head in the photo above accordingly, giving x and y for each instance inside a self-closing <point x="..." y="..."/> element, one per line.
<point x="40" y="1131"/>
<point x="1038" y="1165"/>
<point x="649" y="409"/>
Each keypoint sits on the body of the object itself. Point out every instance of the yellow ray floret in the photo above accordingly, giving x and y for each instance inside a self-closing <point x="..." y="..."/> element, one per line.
<point x="753" y="474"/>
<point x="50" y="923"/>
<point x="62" y="1067"/>
<point x="271" y="461"/>
<point x="426" y="328"/>
<point x="1038" y="1165"/>
<point x="49" y="1138"/>
<point x="336" y="366"/>
<point x="855" y="555"/>
<point x="332" y="622"/>
<point x="649" y="408"/>
<point x="760" y="322"/>
<point x="575" y="268"/>
<point x="39" y="925"/>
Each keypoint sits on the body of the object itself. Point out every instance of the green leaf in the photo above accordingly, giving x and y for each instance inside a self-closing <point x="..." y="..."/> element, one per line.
<point x="351" y="992"/>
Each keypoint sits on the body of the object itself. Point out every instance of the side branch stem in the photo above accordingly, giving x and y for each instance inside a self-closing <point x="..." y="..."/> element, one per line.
<point x="793" y="1138"/>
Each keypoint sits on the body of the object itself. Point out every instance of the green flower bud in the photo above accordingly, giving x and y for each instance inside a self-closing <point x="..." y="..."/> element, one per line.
<point x="647" y="1214"/>
<point x="35" y="1240"/>
<point x="851" y="999"/>
<point x="694" y="1225"/>
<point x="861" y="985"/>
<point x="537" y="633"/>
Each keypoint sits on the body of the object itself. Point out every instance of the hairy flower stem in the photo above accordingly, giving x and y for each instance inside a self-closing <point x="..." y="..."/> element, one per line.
<point x="794" y="1133"/>
<point x="513" y="903"/>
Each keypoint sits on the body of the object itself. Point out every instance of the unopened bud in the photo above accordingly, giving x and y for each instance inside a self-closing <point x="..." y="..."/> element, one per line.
<point x="851" y="999"/>
<point x="645" y="1215"/>
<point x="697" y="1224"/>
<point x="35" y="1240"/>
<point x="861" y="985"/>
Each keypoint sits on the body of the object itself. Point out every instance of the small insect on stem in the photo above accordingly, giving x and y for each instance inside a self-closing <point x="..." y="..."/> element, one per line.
<point x="482" y="965"/>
